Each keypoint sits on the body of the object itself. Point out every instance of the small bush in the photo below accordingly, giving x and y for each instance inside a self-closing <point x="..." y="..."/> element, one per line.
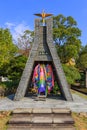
<point x="55" y="88"/>
<point x="72" y="74"/>
<point x="9" y="87"/>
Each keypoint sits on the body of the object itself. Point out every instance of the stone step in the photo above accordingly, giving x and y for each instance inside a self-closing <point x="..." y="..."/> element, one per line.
<point x="56" y="115"/>
<point x="41" y="119"/>
<point x="40" y="125"/>
<point x="42" y="110"/>
<point x="41" y="128"/>
<point x="40" y="98"/>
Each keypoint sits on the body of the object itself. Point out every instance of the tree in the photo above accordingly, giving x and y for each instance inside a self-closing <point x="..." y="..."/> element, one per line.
<point x="82" y="61"/>
<point x="25" y="42"/>
<point x="16" y="67"/>
<point x="7" y="48"/>
<point x="72" y="74"/>
<point x="66" y="37"/>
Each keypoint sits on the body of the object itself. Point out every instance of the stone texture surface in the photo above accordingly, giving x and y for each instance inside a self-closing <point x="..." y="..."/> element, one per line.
<point x="79" y="104"/>
<point x="20" y="110"/>
<point x="43" y="50"/>
<point x="42" y="121"/>
<point x="59" y="71"/>
<point x="22" y="128"/>
<point x="42" y="110"/>
<point x="24" y="82"/>
<point x="55" y="110"/>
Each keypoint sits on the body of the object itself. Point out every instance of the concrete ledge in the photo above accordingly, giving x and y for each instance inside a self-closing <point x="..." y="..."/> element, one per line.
<point x="42" y="110"/>
<point x="61" y="110"/>
<point x="21" y="110"/>
<point x="42" y="120"/>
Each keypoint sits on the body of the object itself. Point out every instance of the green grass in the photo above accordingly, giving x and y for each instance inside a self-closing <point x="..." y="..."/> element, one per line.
<point x="80" y="121"/>
<point x="4" y="117"/>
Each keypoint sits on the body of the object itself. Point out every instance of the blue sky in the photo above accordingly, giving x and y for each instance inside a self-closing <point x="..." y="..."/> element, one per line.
<point x="18" y="14"/>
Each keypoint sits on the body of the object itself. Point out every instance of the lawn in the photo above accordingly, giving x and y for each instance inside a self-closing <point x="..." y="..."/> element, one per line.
<point x="4" y="117"/>
<point x="80" y="120"/>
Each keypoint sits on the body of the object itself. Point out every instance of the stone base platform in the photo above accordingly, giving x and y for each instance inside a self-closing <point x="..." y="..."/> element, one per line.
<point x="78" y="104"/>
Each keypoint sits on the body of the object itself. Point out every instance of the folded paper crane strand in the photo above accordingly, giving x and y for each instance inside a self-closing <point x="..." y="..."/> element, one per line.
<point x="43" y="78"/>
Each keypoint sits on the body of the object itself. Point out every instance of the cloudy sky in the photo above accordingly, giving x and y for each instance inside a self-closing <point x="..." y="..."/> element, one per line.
<point x="18" y="16"/>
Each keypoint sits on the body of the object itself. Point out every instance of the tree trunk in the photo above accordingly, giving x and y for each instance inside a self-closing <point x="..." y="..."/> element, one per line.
<point x="86" y="78"/>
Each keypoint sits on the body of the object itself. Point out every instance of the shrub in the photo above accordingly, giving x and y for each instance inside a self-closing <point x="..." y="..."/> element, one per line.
<point x="9" y="87"/>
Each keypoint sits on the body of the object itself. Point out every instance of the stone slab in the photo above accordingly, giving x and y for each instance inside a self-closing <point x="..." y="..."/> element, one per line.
<point x="20" y="120"/>
<point x="42" y="110"/>
<point x="21" y="110"/>
<point x="41" y="128"/>
<point x="60" y="110"/>
<point x="41" y="120"/>
<point x="63" y="120"/>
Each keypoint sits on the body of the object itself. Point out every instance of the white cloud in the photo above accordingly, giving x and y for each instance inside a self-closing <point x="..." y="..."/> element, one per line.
<point x="17" y="29"/>
<point x="9" y="25"/>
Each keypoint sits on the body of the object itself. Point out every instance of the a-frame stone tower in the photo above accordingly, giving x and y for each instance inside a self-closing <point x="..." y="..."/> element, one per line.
<point x="43" y="50"/>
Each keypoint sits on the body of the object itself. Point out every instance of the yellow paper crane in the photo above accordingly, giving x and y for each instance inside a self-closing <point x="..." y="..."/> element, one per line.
<point x="43" y="15"/>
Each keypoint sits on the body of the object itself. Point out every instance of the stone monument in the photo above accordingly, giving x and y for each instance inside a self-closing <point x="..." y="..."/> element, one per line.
<point x="43" y="50"/>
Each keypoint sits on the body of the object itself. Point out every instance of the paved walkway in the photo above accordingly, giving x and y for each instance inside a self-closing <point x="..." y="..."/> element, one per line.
<point x="78" y="105"/>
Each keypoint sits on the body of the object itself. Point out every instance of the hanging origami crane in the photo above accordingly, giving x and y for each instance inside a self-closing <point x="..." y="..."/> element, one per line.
<point x="43" y="78"/>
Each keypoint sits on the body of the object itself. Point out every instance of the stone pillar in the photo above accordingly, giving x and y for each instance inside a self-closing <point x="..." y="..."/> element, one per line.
<point x="24" y="82"/>
<point x="64" y="87"/>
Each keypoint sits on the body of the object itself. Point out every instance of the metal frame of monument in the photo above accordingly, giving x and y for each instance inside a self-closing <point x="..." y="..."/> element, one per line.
<point x="43" y="48"/>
